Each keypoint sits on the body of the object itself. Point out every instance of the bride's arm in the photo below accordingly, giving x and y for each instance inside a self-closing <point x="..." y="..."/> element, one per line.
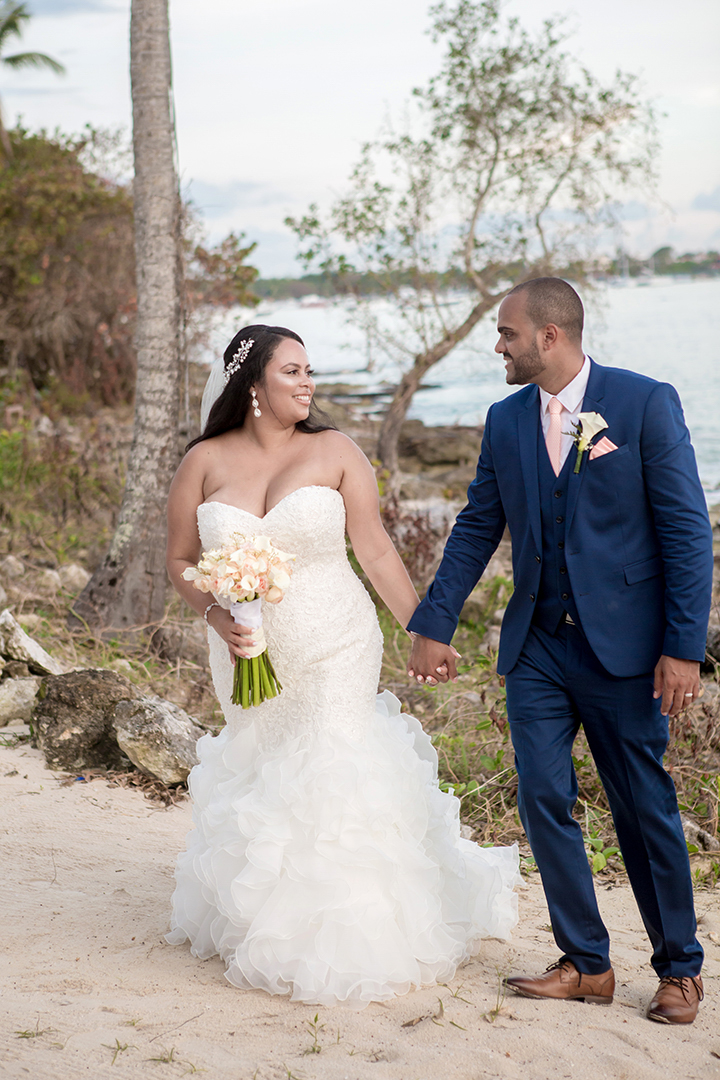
<point x="183" y="549"/>
<point x="373" y="547"/>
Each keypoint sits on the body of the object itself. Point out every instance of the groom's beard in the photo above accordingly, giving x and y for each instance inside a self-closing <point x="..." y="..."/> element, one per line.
<point x="524" y="367"/>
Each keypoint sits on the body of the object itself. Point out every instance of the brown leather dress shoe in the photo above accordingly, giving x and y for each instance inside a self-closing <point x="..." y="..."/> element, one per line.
<point x="676" y="1000"/>
<point x="564" y="982"/>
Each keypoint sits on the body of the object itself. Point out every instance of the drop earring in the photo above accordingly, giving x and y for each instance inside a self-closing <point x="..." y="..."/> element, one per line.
<point x="255" y="404"/>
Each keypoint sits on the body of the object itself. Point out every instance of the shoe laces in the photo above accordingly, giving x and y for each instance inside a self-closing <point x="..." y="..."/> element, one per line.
<point x="680" y="981"/>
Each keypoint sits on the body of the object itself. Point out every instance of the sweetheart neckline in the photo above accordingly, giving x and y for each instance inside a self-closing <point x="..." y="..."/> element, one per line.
<point x="242" y="510"/>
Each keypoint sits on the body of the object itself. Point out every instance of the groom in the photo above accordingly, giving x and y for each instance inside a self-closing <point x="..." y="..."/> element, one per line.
<point x="612" y="563"/>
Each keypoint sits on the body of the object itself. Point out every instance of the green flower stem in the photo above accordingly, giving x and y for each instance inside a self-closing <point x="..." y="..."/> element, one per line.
<point x="578" y="461"/>
<point x="255" y="680"/>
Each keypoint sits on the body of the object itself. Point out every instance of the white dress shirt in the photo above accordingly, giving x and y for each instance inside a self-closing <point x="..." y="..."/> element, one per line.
<point x="571" y="399"/>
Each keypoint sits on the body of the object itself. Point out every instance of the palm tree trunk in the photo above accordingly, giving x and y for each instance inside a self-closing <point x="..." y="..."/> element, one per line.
<point x="127" y="592"/>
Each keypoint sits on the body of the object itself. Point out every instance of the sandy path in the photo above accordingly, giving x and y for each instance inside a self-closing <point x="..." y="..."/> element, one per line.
<point x="84" y="892"/>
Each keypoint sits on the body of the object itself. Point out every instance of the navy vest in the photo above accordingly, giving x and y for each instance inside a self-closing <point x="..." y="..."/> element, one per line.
<point x="555" y="598"/>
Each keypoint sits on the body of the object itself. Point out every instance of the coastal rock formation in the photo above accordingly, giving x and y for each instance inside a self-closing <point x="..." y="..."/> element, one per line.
<point x="158" y="737"/>
<point x="74" y="719"/>
<point x="17" y="698"/>
<point x="15" y="644"/>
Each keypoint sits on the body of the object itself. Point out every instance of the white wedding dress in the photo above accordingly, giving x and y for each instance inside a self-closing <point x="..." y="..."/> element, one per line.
<point x="325" y="861"/>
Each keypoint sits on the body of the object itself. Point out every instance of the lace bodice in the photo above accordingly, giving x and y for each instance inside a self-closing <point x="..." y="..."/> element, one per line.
<point x="323" y="638"/>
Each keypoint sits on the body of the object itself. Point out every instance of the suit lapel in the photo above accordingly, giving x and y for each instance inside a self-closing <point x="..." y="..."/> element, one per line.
<point x="591" y="403"/>
<point x="528" y="422"/>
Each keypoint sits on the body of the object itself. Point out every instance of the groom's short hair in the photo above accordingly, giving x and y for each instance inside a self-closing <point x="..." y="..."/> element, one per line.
<point x="552" y="300"/>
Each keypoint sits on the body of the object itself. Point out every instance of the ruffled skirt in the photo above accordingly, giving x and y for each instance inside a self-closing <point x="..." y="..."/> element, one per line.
<point x="332" y="869"/>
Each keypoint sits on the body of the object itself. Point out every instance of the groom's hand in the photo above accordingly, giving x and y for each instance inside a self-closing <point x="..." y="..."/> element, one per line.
<point x="431" y="661"/>
<point x="677" y="682"/>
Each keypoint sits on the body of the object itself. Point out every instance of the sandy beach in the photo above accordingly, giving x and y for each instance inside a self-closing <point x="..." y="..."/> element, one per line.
<point x="89" y="987"/>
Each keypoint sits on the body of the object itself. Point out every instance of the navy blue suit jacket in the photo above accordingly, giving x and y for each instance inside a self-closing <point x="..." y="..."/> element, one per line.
<point x="638" y="539"/>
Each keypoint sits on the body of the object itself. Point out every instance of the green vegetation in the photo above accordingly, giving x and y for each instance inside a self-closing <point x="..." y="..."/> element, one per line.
<point x="59" y="494"/>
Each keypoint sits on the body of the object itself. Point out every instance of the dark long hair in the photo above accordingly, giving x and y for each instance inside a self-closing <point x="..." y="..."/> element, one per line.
<point x="230" y="409"/>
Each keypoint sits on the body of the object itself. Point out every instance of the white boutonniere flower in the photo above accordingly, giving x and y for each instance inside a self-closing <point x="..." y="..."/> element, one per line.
<point x="589" y="424"/>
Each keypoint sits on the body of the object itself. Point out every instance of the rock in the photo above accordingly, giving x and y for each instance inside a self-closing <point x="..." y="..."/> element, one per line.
<point x="121" y="664"/>
<point x="11" y="567"/>
<point x="16" y="645"/>
<point x="29" y="621"/>
<point x="15" y="669"/>
<point x="73" y="719"/>
<point x="187" y="641"/>
<point x="17" y="697"/>
<point x="44" y="583"/>
<point x="3" y="597"/>
<point x="695" y="835"/>
<point x="473" y="610"/>
<point x="158" y="737"/>
<point x="492" y="638"/>
<point x="439" y="445"/>
<point x="73" y="578"/>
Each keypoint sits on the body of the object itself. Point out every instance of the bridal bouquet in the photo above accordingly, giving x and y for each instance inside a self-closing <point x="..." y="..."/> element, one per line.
<point x="240" y="577"/>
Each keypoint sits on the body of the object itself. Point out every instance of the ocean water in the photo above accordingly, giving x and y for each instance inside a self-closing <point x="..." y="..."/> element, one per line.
<point x="667" y="329"/>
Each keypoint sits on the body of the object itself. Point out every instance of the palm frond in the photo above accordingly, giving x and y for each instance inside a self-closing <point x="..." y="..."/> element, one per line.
<point x="35" y="60"/>
<point x="12" y="16"/>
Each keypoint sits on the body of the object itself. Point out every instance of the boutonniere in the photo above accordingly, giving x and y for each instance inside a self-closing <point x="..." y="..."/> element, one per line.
<point x="589" y="424"/>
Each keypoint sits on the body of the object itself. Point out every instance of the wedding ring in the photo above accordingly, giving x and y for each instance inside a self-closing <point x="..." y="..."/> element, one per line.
<point x="688" y="695"/>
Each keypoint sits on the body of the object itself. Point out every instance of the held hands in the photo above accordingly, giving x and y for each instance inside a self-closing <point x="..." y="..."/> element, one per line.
<point x="678" y="683"/>
<point x="237" y="638"/>
<point x="432" y="662"/>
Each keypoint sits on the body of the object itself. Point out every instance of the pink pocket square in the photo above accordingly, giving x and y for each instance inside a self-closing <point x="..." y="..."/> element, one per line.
<point x="605" y="446"/>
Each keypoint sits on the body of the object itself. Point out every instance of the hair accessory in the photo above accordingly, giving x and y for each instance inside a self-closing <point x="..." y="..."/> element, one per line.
<point x="238" y="358"/>
<point x="255" y="404"/>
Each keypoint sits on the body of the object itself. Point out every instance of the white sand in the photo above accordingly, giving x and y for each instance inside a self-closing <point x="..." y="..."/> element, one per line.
<point x="84" y="894"/>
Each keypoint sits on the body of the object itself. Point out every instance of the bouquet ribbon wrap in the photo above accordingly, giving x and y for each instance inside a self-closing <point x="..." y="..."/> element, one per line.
<point x="249" y="613"/>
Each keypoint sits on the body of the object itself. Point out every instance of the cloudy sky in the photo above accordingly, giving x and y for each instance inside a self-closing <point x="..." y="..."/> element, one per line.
<point x="274" y="98"/>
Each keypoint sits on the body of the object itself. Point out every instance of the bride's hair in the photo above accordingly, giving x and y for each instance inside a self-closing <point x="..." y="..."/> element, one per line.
<point x="230" y="408"/>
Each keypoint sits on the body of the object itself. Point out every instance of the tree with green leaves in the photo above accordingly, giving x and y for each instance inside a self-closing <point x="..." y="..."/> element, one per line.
<point x="13" y="16"/>
<point x="507" y="164"/>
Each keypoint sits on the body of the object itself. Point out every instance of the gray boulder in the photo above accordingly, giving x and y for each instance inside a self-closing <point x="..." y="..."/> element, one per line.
<point x="44" y="583"/>
<point x="158" y="737"/>
<point x="15" y="644"/>
<point x="11" y="567"/>
<point x="17" y="698"/>
<point x="73" y="719"/>
<point x="73" y="577"/>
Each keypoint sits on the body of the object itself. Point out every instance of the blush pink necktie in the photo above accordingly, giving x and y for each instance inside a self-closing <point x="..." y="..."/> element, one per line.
<point x="553" y="439"/>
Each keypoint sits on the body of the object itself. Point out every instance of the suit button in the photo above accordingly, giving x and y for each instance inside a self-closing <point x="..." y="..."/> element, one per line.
<point x="561" y="544"/>
<point x="565" y="596"/>
<point x="532" y="596"/>
<point x="559" y="520"/>
<point x="537" y="558"/>
<point x="558" y="494"/>
<point x="563" y="569"/>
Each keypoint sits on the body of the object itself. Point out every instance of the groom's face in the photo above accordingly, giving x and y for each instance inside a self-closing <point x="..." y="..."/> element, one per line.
<point x="518" y="342"/>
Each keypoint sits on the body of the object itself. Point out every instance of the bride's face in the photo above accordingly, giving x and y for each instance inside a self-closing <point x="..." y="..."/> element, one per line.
<point x="287" y="388"/>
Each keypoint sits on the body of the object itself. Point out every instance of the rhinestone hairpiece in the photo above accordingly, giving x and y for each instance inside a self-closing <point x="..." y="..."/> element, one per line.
<point x="238" y="358"/>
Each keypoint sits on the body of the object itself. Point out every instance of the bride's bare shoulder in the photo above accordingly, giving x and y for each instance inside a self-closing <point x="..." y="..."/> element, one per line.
<point x="337" y="442"/>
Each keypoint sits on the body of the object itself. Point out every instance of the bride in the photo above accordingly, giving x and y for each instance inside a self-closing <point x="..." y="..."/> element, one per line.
<point x="325" y="862"/>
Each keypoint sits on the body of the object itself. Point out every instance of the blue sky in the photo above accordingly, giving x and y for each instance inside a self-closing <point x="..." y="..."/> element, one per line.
<point x="275" y="98"/>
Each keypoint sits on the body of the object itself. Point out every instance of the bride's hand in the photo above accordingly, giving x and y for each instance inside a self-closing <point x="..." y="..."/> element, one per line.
<point x="238" y="638"/>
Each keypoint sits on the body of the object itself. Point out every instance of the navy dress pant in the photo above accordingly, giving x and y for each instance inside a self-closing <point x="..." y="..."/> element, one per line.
<point x="556" y="686"/>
